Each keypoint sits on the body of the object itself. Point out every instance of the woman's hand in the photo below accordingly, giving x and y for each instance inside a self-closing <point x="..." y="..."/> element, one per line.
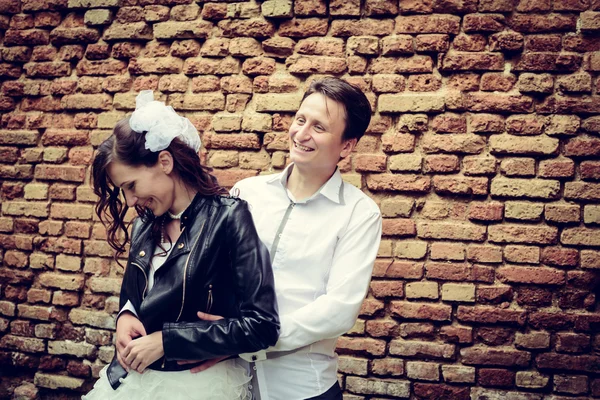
<point x="143" y="351"/>
<point x="128" y="328"/>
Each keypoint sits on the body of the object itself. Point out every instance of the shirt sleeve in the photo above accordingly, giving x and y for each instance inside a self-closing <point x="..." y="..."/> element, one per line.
<point x="334" y="313"/>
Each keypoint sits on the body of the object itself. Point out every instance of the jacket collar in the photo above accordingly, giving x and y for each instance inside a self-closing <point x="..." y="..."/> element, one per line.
<point x="142" y="247"/>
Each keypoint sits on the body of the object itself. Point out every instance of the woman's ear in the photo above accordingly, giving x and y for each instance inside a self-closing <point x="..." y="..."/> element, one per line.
<point x="165" y="161"/>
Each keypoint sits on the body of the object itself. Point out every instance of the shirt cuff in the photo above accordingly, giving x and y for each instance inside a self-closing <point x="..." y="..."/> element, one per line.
<point x="128" y="307"/>
<point x="257" y="356"/>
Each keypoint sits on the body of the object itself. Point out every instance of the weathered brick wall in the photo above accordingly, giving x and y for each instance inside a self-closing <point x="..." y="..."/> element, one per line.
<point x="483" y="155"/>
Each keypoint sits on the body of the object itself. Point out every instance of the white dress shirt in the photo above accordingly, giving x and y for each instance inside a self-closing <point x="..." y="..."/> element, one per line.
<point x="322" y="249"/>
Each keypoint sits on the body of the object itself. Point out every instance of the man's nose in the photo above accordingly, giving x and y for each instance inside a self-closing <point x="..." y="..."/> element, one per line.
<point x="303" y="133"/>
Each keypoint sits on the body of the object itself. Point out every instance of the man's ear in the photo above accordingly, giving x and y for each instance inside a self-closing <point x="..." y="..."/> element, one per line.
<point x="348" y="146"/>
<point x="165" y="160"/>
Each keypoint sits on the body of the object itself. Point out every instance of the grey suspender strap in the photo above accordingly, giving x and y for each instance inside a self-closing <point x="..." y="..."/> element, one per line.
<point x="254" y="389"/>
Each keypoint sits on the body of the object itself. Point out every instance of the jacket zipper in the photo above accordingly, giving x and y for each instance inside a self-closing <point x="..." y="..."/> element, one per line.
<point x="145" y="276"/>
<point x="185" y="270"/>
<point x="209" y="300"/>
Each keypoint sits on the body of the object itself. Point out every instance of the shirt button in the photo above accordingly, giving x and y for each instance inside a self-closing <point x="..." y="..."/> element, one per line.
<point x="254" y="358"/>
<point x="180" y="246"/>
<point x="142" y="253"/>
<point x="254" y="368"/>
<point x="250" y="387"/>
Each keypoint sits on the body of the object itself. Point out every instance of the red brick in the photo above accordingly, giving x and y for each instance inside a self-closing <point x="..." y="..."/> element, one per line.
<point x="582" y="147"/>
<point x="511" y="233"/>
<point x="387" y="366"/>
<point x="495" y="377"/>
<point x="453" y="143"/>
<point x="425" y="311"/>
<point x="482" y="355"/>
<point x="432" y="391"/>
<point x="447" y="251"/>
<point x="494" y="294"/>
<point x="458" y="272"/>
<point x="583" y="363"/>
<point x="491" y="315"/>
<point x="400" y="183"/>
<point x="436" y="43"/>
<point x="435" y="23"/>
<point x="456" y="334"/>
<point x="480" y="211"/>
<point x="497" y="82"/>
<point x="369" y="307"/>
<point x="483" y="23"/>
<point x="367" y="346"/>
<point x="542" y="23"/>
<point x="451" y="231"/>
<point x="484" y="254"/>
<point x="398" y="269"/>
<point x="463" y="42"/>
<point x="531" y="275"/>
<point x="464" y="61"/>
<point x="382" y="289"/>
<point x="413" y="330"/>
<point x="360" y="27"/>
<point x="305" y="27"/>
<point x="562" y="257"/>
<point x="398" y="143"/>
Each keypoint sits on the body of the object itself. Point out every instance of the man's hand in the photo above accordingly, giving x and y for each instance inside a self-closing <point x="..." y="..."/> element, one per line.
<point x="128" y="328"/>
<point x="143" y="351"/>
<point x="208" y="363"/>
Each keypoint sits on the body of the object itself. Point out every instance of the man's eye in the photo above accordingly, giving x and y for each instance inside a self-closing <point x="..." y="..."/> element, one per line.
<point x="319" y="128"/>
<point x="300" y="120"/>
<point x="131" y="186"/>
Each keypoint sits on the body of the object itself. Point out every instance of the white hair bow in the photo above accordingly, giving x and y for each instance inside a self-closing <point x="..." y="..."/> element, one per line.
<point x="161" y="123"/>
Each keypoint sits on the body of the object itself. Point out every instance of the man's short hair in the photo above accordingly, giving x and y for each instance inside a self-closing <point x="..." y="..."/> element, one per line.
<point x="356" y="104"/>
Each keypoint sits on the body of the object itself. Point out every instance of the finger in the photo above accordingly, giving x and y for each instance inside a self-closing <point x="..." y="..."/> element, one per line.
<point x="142" y="367"/>
<point x="199" y="368"/>
<point x="140" y="330"/>
<point x="185" y="362"/>
<point x="207" y="364"/>
<point x="122" y="362"/>
<point x="136" y="364"/>
<point x="125" y="352"/>
<point x="208" y="317"/>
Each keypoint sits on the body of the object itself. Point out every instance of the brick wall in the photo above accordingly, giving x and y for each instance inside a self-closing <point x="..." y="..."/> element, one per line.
<point x="483" y="155"/>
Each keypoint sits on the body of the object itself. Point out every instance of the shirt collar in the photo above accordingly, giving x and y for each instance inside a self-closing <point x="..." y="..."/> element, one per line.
<point x="333" y="189"/>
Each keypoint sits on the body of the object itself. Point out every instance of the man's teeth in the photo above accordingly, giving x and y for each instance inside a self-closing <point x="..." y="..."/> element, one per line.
<point x="302" y="147"/>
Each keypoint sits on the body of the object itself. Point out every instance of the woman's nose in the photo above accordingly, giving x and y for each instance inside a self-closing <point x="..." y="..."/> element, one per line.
<point x="130" y="199"/>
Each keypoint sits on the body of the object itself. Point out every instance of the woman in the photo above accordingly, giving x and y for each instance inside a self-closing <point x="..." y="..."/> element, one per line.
<point x="192" y="249"/>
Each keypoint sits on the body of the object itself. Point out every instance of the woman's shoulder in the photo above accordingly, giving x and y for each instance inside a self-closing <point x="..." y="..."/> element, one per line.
<point x="229" y="201"/>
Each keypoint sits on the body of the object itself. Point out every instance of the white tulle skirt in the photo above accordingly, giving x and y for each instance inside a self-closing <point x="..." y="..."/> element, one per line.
<point x="227" y="380"/>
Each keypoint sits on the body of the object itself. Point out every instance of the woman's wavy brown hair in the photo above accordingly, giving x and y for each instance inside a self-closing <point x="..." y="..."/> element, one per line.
<point x="128" y="147"/>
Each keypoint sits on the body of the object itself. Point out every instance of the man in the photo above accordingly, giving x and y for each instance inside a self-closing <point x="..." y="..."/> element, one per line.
<point x="323" y="235"/>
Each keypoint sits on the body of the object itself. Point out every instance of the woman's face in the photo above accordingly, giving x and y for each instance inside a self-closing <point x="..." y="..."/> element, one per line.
<point x="147" y="187"/>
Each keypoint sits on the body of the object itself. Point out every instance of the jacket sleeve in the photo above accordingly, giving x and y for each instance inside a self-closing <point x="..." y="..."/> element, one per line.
<point x="257" y="327"/>
<point x="124" y="297"/>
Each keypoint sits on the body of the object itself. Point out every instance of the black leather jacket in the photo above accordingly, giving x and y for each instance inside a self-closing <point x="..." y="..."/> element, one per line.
<point x="218" y="265"/>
